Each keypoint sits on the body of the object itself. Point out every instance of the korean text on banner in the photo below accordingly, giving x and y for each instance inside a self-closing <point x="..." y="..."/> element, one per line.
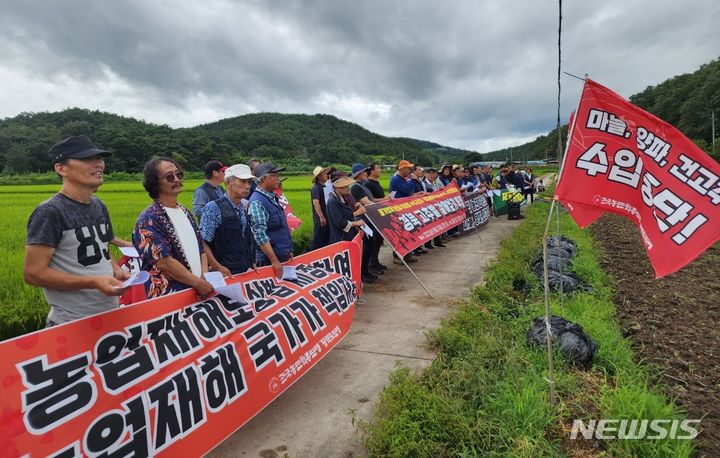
<point x="477" y="213"/>
<point x="171" y="376"/>
<point x="409" y="222"/>
<point x="623" y="160"/>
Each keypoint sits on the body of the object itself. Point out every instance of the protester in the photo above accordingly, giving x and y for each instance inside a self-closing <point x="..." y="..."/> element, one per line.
<point x="487" y="179"/>
<point x="416" y="176"/>
<point x="501" y="181"/>
<point x="445" y="177"/>
<point x="515" y="178"/>
<point x="268" y="222"/>
<point x="474" y="176"/>
<point x="166" y="236"/>
<point x="344" y="223"/>
<point x="487" y="175"/>
<point x="66" y="252"/>
<point x="328" y="189"/>
<point x="401" y="183"/>
<point x="458" y="174"/>
<point x="252" y="163"/>
<point x="225" y="228"/>
<point x="378" y="195"/>
<point x="402" y="186"/>
<point x="373" y="181"/>
<point x="361" y="194"/>
<point x="428" y="183"/>
<point x="529" y="190"/>
<point x="321" y="231"/>
<point x="211" y="189"/>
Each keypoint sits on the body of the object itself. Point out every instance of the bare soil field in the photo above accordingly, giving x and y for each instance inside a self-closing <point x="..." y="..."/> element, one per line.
<point x="674" y="321"/>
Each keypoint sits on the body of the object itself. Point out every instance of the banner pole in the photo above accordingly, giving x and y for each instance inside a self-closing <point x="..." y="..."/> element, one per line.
<point x="548" y="329"/>
<point x="475" y="227"/>
<point x="377" y="231"/>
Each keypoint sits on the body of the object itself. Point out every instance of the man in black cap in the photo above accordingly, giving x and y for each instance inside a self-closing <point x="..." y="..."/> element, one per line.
<point x="211" y="189"/>
<point x="268" y="221"/>
<point x="66" y="253"/>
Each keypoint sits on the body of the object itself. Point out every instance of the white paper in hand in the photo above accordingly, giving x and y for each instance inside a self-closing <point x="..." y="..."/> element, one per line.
<point x="215" y="279"/>
<point x="367" y="230"/>
<point x="129" y="251"/>
<point x="392" y="194"/>
<point x="289" y="273"/>
<point x="234" y="291"/>
<point x="138" y="278"/>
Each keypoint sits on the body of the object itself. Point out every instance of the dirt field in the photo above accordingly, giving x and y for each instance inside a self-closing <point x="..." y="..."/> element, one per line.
<point x="674" y="321"/>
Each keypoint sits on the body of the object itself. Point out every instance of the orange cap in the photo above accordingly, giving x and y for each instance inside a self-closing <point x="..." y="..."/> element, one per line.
<point x="404" y="164"/>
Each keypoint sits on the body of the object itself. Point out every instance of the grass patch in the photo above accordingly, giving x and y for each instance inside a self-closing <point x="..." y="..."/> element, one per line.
<point x="23" y="308"/>
<point x="485" y="393"/>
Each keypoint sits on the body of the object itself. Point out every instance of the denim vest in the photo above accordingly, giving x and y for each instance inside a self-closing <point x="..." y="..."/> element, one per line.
<point x="210" y="191"/>
<point x="277" y="229"/>
<point x="232" y="244"/>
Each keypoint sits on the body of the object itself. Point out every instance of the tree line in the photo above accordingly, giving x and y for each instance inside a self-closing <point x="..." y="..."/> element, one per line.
<point x="297" y="141"/>
<point x="685" y="101"/>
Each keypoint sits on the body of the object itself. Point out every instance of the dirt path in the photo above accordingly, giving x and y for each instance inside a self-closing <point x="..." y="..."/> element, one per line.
<point x="674" y="321"/>
<point x="314" y="417"/>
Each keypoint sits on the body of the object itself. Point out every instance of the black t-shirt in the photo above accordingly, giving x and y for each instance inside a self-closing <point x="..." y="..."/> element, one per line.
<point x="359" y="191"/>
<point x="375" y="188"/>
<point x="318" y="192"/>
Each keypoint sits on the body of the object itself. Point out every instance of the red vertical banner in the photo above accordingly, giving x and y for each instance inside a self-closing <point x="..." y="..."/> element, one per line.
<point x="171" y="376"/>
<point x="623" y="160"/>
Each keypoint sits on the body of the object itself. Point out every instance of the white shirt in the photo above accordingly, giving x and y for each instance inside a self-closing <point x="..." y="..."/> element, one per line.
<point x="188" y="239"/>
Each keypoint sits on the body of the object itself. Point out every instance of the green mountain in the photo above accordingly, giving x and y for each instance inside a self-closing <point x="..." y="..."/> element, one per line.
<point x="297" y="141"/>
<point x="685" y="101"/>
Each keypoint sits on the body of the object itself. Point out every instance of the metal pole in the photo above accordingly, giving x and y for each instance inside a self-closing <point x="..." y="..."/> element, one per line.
<point x="377" y="231"/>
<point x="713" y="132"/>
<point x="548" y="329"/>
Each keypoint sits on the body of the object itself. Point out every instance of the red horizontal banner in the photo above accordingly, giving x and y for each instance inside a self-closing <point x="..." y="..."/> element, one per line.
<point x="409" y="222"/>
<point x="171" y="376"/>
<point x="624" y="160"/>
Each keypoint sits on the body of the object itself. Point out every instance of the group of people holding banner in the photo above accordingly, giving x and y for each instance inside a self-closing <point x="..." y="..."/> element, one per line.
<point x="240" y="228"/>
<point x="340" y="201"/>
<point x="67" y="236"/>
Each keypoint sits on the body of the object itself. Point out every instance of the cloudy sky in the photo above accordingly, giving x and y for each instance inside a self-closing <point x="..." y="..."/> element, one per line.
<point x="474" y="74"/>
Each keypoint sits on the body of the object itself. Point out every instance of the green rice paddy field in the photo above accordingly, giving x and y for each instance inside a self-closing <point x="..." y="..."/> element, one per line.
<point x="23" y="308"/>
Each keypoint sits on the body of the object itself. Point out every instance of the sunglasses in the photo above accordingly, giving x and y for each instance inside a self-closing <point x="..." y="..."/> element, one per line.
<point x="170" y="177"/>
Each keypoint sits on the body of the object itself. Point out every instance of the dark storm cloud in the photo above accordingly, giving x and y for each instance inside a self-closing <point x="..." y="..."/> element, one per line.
<point x="463" y="73"/>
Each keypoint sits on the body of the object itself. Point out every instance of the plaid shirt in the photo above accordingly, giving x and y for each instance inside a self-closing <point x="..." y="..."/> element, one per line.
<point x="259" y="218"/>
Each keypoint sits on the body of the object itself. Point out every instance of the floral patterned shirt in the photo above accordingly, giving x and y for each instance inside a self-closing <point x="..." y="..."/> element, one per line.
<point x="155" y="238"/>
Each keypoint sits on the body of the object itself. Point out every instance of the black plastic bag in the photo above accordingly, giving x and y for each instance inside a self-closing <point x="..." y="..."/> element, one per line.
<point x="562" y="242"/>
<point x="576" y="346"/>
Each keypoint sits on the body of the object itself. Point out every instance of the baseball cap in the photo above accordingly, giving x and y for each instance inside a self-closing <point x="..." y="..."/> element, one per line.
<point x="75" y="147"/>
<point x="213" y="166"/>
<point x="265" y="168"/>
<point x="404" y="164"/>
<point x="241" y="171"/>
